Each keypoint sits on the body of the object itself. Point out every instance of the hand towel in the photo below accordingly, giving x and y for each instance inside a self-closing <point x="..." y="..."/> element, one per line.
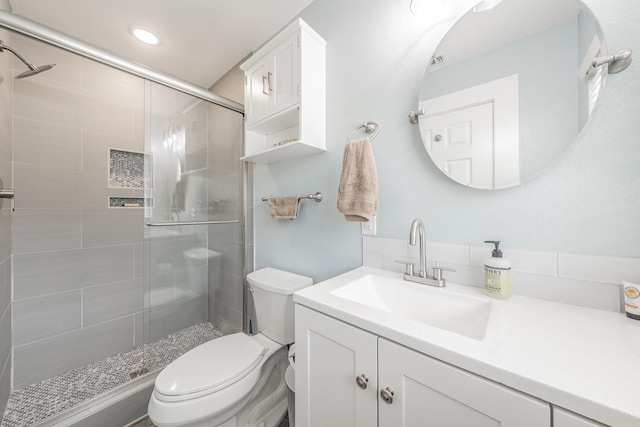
<point x="284" y="207"/>
<point x="358" y="190"/>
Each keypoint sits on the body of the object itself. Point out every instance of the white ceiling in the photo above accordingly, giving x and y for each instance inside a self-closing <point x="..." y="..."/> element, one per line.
<point x="200" y="39"/>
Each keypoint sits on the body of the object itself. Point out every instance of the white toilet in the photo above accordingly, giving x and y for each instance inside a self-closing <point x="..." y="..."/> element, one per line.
<point x="236" y="380"/>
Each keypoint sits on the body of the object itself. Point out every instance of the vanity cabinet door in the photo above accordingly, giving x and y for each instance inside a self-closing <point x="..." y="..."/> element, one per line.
<point x="563" y="418"/>
<point x="430" y="393"/>
<point x="330" y="356"/>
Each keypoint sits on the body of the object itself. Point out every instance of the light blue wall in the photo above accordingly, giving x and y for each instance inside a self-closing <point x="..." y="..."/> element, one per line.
<point x="377" y="52"/>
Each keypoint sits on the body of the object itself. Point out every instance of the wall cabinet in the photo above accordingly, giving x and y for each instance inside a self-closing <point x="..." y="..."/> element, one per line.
<point x="285" y="96"/>
<point x="348" y="377"/>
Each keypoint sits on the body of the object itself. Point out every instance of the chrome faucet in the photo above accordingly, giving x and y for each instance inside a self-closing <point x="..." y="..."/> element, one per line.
<point x="417" y="230"/>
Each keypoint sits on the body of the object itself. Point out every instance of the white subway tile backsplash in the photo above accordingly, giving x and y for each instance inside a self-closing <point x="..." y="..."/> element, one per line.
<point x="545" y="263"/>
<point x="600" y="268"/>
<point x="443" y="252"/>
<point x="373" y="259"/>
<point x="592" y="281"/>
<point x="590" y="294"/>
<point x="384" y="245"/>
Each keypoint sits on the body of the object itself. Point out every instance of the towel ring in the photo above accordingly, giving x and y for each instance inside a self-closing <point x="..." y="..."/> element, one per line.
<point x="369" y="127"/>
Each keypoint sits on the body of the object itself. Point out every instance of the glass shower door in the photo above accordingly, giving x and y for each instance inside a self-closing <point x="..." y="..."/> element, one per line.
<point x="187" y="209"/>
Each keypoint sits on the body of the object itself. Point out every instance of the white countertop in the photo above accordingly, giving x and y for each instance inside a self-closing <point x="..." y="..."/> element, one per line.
<point x="581" y="359"/>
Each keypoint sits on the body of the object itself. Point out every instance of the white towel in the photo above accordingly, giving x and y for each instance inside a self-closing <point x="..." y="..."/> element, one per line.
<point x="284" y="207"/>
<point x="358" y="190"/>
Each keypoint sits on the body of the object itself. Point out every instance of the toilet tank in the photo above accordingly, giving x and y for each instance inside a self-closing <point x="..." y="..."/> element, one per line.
<point x="272" y="291"/>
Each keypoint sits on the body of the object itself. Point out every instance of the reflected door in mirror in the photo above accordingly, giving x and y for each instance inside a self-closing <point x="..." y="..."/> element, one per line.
<point x="461" y="143"/>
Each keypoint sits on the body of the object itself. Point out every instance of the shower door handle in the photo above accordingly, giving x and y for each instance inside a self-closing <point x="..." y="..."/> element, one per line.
<point x="7" y="193"/>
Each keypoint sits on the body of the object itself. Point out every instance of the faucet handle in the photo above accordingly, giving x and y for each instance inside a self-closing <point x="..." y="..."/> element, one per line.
<point x="437" y="272"/>
<point x="408" y="266"/>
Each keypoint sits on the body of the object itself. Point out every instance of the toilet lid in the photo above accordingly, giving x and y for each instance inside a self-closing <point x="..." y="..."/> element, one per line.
<point x="211" y="366"/>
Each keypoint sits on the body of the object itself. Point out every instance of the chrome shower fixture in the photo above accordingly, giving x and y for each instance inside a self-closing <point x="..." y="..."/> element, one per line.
<point x="32" y="68"/>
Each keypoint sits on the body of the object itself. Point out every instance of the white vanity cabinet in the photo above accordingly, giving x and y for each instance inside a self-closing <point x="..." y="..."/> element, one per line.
<point x="404" y="388"/>
<point x="427" y="389"/>
<point x="285" y="96"/>
<point x="563" y="418"/>
<point x="330" y="357"/>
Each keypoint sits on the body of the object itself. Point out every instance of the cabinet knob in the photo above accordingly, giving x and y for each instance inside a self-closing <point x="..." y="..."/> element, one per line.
<point x="387" y="395"/>
<point x="362" y="381"/>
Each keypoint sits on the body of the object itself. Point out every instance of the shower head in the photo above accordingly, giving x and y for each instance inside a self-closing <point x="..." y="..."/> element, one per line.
<point x="35" y="70"/>
<point x="32" y="68"/>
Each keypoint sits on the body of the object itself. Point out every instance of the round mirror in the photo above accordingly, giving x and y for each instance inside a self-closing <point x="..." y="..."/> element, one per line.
<point x="509" y="88"/>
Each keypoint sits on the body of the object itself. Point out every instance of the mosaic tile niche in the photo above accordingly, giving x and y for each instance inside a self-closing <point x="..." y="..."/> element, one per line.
<point x="127" y="169"/>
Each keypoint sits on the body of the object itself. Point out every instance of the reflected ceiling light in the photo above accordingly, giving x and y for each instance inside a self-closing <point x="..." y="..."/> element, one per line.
<point x="425" y="7"/>
<point x="144" y="35"/>
<point x="486" y="5"/>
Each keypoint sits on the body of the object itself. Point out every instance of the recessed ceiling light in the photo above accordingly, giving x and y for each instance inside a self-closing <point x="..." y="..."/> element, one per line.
<point x="144" y="35"/>
<point x="426" y="7"/>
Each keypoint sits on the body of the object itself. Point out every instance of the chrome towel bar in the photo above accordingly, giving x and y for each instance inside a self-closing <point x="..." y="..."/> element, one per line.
<point x="317" y="197"/>
<point x="177" y="223"/>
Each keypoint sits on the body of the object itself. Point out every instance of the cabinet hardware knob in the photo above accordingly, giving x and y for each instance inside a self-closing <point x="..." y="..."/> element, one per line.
<point x="437" y="138"/>
<point x="362" y="381"/>
<point x="387" y="395"/>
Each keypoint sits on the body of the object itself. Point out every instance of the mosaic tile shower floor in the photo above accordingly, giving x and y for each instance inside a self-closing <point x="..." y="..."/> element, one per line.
<point x="39" y="401"/>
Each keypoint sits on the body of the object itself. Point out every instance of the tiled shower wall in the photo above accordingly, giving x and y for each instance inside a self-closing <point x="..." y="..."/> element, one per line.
<point x="77" y="265"/>
<point x="79" y="290"/>
<point x="6" y="85"/>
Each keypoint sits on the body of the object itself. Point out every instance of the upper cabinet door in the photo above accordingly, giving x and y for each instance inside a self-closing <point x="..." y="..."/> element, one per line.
<point x="427" y="392"/>
<point x="286" y="74"/>
<point x="257" y="91"/>
<point x="335" y="373"/>
<point x="272" y="83"/>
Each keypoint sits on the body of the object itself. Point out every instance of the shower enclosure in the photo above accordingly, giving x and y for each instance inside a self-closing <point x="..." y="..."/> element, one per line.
<point x="127" y="239"/>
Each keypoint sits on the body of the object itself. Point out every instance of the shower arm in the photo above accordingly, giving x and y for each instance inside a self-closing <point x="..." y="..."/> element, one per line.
<point x="20" y="57"/>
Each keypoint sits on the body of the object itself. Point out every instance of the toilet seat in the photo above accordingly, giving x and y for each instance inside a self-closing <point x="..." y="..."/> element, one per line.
<point x="211" y="367"/>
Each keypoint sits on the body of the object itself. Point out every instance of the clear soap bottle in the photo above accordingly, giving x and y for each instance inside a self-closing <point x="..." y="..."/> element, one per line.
<point x="497" y="273"/>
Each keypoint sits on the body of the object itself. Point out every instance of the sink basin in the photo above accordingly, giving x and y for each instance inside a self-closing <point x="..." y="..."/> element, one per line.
<point x="456" y="313"/>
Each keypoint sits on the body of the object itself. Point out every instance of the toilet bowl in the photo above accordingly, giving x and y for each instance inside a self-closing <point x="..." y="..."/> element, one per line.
<point x="236" y="380"/>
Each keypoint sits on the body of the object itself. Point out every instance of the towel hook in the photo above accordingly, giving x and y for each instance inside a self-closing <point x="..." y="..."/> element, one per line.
<point x="369" y="127"/>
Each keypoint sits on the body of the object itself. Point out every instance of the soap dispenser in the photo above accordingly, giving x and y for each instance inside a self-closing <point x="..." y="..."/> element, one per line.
<point x="497" y="273"/>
